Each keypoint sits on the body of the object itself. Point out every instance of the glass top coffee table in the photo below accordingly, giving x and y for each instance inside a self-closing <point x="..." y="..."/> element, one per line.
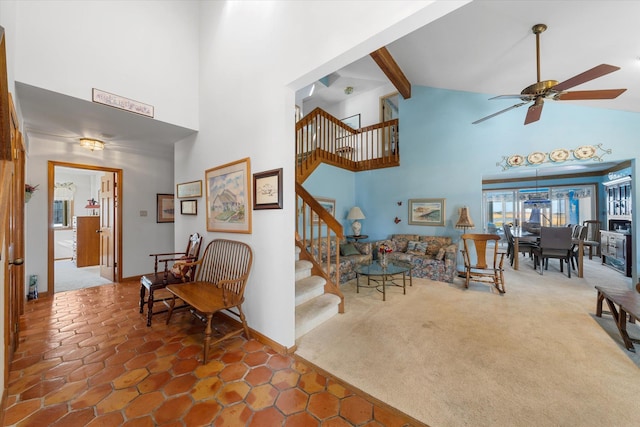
<point x="383" y="277"/>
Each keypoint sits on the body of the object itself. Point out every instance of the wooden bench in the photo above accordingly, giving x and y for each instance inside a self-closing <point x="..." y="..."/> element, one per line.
<point x="622" y="303"/>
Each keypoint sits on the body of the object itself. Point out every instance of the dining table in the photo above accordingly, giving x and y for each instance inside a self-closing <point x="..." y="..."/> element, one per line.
<point x="521" y="235"/>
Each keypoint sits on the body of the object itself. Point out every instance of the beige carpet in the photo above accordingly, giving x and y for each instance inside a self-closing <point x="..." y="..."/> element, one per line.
<point x="454" y="357"/>
<point x="68" y="277"/>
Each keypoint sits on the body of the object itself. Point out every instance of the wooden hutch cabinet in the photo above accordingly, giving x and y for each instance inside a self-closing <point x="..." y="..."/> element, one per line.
<point x="86" y="240"/>
<point x="615" y="242"/>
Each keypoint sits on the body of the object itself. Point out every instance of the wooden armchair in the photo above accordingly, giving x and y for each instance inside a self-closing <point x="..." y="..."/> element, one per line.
<point x="485" y="267"/>
<point x="219" y="284"/>
<point x="178" y="273"/>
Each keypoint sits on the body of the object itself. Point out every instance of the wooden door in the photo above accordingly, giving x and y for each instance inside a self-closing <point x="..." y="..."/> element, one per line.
<point x="108" y="201"/>
<point x="12" y="160"/>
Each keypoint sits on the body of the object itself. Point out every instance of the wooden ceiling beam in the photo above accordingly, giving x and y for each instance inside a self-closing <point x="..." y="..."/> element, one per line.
<point x="390" y="68"/>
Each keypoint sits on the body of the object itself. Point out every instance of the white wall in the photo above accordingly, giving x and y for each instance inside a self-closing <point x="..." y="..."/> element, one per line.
<point x="141" y="182"/>
<point x="254" y="55"/>
<point x="143" y="50"/>
<point x="87" y="185"/>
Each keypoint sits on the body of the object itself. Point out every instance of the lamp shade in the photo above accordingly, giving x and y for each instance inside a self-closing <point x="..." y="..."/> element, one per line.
<point x="355" y="213"/>
<point x="465" y="220"/>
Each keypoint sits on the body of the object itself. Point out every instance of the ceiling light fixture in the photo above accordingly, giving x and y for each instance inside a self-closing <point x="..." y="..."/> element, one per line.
<point x="91" y="144"/>
<point x="348" y="90"/>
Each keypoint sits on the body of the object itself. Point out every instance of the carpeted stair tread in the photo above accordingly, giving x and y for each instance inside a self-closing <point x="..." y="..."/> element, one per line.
<point x="303" y="269"/>
<point x="314" y="312"/>
<point x="309" y="287"/>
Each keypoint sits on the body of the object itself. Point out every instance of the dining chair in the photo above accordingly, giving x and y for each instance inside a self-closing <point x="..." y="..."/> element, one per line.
<point x="592" y="240"/>
<point x="524" y="246"/>
<point x="481" y="263"/>
<point x="555" y="242"/>
<point x="579" y="233"/>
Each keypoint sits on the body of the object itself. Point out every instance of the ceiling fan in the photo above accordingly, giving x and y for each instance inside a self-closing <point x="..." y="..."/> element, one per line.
<point x="551" y="89"/>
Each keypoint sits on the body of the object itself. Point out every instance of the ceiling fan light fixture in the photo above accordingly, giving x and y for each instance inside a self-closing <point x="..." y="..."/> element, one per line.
<point x="91" y="144"/>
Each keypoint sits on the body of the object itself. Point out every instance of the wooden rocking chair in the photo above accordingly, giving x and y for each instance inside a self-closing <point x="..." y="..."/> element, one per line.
<point x="221" y="277"/>
<point x="486" y="268"/>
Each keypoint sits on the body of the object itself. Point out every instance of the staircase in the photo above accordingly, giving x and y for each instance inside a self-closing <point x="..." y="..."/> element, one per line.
<point x="322" y="138"/>
<point x="313" y="306"/>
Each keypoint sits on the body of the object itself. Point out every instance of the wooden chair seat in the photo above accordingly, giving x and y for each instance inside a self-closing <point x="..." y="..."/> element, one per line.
<point x="221" y="277"/>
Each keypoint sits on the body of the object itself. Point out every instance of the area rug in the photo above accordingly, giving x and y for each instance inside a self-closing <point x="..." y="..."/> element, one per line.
<point x="450" y="356"/>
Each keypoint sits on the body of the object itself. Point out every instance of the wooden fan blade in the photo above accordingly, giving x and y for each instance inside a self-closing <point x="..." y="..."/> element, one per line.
<point x="500" y="112"/>
<point x="590" y="94"/>
<point x="534" y="112"/>
<point x="591" y="74"/>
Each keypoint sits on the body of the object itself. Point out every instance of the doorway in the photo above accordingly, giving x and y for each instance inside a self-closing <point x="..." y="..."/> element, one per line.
<point x="84" y="226"/>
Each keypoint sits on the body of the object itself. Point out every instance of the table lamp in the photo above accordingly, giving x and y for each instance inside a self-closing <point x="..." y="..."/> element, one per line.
<point x="354" y="215"/>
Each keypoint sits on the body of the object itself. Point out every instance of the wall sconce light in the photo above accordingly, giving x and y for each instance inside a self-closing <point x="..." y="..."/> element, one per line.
<point x="91" y="144"/>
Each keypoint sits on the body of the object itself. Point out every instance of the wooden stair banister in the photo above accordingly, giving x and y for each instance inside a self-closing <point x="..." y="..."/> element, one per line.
<point x="322" y="138"/>
<point x="315" y="226"/>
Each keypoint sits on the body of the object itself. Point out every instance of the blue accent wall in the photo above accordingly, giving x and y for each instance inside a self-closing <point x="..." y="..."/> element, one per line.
<point x="443" y="155"/>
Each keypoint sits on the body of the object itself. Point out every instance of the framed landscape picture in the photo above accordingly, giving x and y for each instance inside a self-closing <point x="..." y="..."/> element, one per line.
<point x="426" y="212"/>
<point x="328" y="204"/>
<point x="189" y="189"/>
<point x="164" y="208"/>
<point x="229" y="197"/>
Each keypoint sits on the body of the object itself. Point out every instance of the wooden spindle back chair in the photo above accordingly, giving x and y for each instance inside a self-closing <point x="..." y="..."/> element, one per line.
<point x="221" y="277"/>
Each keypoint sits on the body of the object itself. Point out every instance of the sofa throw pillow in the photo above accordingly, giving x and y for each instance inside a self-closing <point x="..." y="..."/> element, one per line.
<point x="440" y="254"/>
<point x="347" y="249"/>
<point x="419" y="249"/>
<point x="411" y="246"/>
<point x="432" y="249"/>
<point x="180" y="269"/>
<point x="416" y="248"/>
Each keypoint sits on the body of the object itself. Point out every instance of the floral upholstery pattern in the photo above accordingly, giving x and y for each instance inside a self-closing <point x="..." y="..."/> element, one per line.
<point x="347" y="263"/>
<point x="437" y="263"/>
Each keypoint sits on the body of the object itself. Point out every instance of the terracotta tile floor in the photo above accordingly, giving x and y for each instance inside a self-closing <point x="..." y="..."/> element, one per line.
<point x="87" y="358"/>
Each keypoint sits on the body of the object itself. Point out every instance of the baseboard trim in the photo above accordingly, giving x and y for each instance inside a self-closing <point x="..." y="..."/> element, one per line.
<point x="262" y="338"/>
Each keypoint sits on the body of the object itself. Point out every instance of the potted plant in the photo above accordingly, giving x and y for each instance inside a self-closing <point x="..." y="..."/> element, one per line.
<point x="28" y="191"/>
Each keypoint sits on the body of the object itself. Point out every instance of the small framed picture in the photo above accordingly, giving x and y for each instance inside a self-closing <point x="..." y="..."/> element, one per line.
<point x="189" y="207"/>
<point x="164" y="208"/>
<point x="267" y="189"/>
<point x="328" y="204"/>
<point x="426" y="212"/>
<point x="189" y="189"/>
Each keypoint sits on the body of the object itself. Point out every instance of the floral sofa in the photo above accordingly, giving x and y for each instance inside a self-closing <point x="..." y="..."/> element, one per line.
<point x="351" y="255"/>
<point x="433" y="257"/>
